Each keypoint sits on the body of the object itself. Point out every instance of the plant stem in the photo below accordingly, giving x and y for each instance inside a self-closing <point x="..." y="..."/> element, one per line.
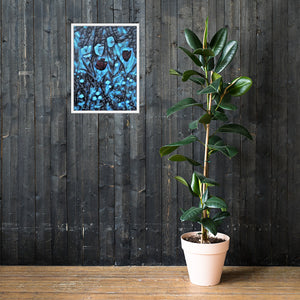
<point x="205" y="169"/>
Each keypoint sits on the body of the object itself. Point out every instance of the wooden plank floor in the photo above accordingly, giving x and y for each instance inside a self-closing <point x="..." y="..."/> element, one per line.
<point x="49" y="282"/>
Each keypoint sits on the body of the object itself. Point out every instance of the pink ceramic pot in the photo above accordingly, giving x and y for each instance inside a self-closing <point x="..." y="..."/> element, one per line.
<point x="205" y="261"/>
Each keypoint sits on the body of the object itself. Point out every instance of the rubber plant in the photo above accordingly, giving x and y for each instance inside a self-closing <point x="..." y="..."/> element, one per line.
<point x="210" y="59"/>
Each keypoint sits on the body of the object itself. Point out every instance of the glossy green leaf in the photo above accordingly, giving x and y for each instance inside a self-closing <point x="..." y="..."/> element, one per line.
<point x="194" y="124"/>
<point x="205" y="34"/>
<point x="187" y="102"/>
<point x="192" y="56"/>
<point x="218" y="41"/>
<point x="215" y="202"/>
<point x="226" y="56"/>
<point x="204" y="52"/>
<point x="172" y="147"/>
<point x="205" y="119"/>
<point x="232" y="151"/>
<point x="217" y="144"/>
<point x="198" y="80"/>
<point x="195" y="184"/>
<point x="215" y="76"/>
<point x="215" y="140"/>
<point x="210" y="182"/>
<point x="187" y="74"/>
<point x="235" y="128"/>
<point x="228" y="106"/>
<point x="205" y="196"/>
<point x="202" y="60"/>
<point x="221" y="216"/>
<point x="210" y="64"/>
<point x="226" y="103"/>
<point x="165" y="150"/>
<point x="192" y="39"/>
<point x="203" y="179"/>
<point x="218" y="218"/>
<point x="178" y="157"/>
<point x="226" y="150"/>
<point x="212" y="88"/>
<point x="175" y="72"/>
<point x="240" y="87"/>
<point x="182" y="180"/>
<point x="210" y="225"/>
<point x="218" y="115"/>
<point x="193" y="214"/>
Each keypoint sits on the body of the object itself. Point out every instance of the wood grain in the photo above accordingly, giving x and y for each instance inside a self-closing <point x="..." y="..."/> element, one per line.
<point x="145" y="283"/>
<point x="26" y="123"/>
<point x="106" y="166"/>
<point x="248" y="110"/>
<point x="138" y="151"/>
<point x="293" y="132"/>
<point x="122" y="164"/>
<point x="153" y="133"/>
<point x="58" y="147"/>
<point x="10" y="135"/>
<point x="74" y="157"/>
<point x="43" y="133"/>
<point x="279" y="210"/>
<point x="169" y="134"/>
<point x="1" y="137"/>
<point x="89" y="159"/>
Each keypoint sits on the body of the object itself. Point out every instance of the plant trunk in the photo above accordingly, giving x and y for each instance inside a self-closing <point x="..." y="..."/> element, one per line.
<point x="204" y="236"/>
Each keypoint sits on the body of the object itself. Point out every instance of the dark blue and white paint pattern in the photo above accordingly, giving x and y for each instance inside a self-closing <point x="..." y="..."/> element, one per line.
<point x="105" y="68"/>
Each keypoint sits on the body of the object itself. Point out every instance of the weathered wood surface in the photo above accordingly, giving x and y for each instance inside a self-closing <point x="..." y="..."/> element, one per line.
<point x="38" y="282"/>
<point x="93" y="189"/>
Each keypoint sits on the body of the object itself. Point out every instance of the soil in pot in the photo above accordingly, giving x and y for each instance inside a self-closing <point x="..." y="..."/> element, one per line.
<point x="197" y="239"/>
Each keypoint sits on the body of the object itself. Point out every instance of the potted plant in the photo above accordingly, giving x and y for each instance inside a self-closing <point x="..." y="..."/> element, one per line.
<point x="205" y="251"/>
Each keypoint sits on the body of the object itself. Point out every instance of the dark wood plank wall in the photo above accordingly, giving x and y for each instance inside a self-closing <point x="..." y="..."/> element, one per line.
<point x="92" y="189"/>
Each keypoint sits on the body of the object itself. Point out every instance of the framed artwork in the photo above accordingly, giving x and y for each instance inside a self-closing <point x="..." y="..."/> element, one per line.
<point x="105" y="68"/>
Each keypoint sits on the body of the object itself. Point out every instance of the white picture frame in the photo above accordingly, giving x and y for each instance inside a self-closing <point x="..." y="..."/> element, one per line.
<point x="105" y="68"/>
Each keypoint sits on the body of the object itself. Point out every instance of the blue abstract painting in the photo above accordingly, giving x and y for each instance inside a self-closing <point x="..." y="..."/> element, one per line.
<point x="105" y="68"/>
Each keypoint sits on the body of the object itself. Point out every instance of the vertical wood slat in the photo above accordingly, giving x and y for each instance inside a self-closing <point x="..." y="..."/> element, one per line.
<point x="293" y="132"/>
<point x="42" y="137"/>
<point x="1" y="137"/>
<point x="137" y="151"/>
<point x="263" y="176"/>
<point x="58" y="132"/>
<point x="106" y="166"/>
<point x="89" y="158"/>
<point x="122" y="164"/>
<point x="26" y="155"/>
<point x="279" y="212"/>
<point x="10" y="134"/>
<point x="248" y="109"/>
<point x="74" y="153"/>
<point x="153" y="132"/>
<point x="169" y="134"/>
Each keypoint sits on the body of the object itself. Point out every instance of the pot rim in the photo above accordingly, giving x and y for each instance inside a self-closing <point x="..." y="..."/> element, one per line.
<point x="197" y="248"/>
